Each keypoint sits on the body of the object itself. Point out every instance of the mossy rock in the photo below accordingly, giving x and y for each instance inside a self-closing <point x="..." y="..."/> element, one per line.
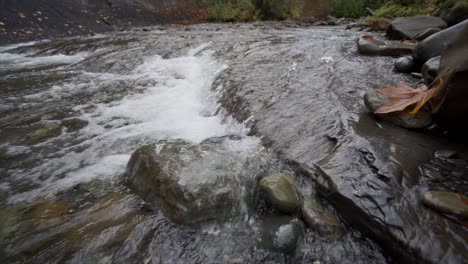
<point x="44" y="132"/>
<point x="280" y="192"/>
<point x="191" y="184"/>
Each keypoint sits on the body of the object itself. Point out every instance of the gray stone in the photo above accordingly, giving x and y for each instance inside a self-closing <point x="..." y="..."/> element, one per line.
<point x="280" y="192"/>
<point x="410" y="27"/>
<point x="426" y="33"/>
<point x="433" y="46"/>
<point x="430" y="70"/>
<point x="368" y="45"/>
<point x="374" y="100"/>
<point x="447" y="202"/>
<point x="404" y="64"/>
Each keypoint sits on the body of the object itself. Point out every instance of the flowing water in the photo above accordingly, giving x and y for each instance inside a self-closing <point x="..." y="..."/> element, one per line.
<point x="74" y="110"/>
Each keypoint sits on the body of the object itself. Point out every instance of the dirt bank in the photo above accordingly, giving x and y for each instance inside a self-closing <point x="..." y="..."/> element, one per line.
<point x="23" y="20"/>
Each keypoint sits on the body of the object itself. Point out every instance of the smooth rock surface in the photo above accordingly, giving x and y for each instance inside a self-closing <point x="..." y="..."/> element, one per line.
<point x="434" y="45"/>
<point x="280" y="192"/>
<point x="374" y="100"/>
<point x="447" y="202"/>
<point x="404" y="64"/>
<point x="368" y="45"/>
<point x="410" y="27"/>
<point x="430" y="70"/>
<point x="426" y="33"/>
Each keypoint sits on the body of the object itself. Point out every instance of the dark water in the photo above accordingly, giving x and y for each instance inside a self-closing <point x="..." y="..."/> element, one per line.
<point x="73" y="111"/>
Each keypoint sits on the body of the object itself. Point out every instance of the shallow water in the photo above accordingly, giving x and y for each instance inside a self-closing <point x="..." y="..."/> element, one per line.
<point x="74" y="110"/>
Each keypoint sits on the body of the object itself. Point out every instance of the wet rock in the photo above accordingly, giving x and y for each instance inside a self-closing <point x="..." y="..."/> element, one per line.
<point x="47" y="212"/>
<point x="190" y="183"/>
<point x="374" y="100"/>
<point x="447" y="202"/>
<point x="280" y="192"/>
<point x="410" y="27"/>
<point x="404" y="64"/>
<point x="453" y="14"/>
<point x="454" y="69"/>
<point x="381" y="24"/>
<point x="432" y="46"/>
<point x="74" y="124"/>
<point x="317" y="217"/>
<point x="46" y="131"/>
<point x="280" y="233"/>
<point x="426" y="33"/>
<point x="369" y="172"/>
<point x="368" y="45"/>
<point x="430" y="70"/>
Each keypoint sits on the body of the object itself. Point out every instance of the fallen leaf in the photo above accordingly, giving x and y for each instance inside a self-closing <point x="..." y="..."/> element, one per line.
<point x="402" y="95"/>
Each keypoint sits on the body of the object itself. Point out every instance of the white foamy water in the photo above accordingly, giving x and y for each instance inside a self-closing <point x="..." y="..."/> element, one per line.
<point x="170" y="98"/>
<point x="9" y="61"/>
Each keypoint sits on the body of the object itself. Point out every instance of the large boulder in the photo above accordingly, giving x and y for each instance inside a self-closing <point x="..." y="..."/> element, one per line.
<point x="454" y="63"/>
<point x="190" y="183"/>
<point x="368" y="45"/>
<point x="433" y="45"/>
<point x="410" y="27"/>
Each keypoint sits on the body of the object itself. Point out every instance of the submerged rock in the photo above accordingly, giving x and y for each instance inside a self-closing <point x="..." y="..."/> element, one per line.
<point x="317" y="217"/>
<point x="447" y="202"/>
<point x="404" y="64"/>
<point x="374" y="100"/>
<point x="189" y="183"/>
<point x="368" y="45"/>
<point x="430" y="70"/>
<point x="46" y="131"/>
<point x="410" y="27"/>
<point x="280" y="233"/>
<point x="74" y="124"/>
<point x="280" y="192"/>
<point x="433" y="45"/>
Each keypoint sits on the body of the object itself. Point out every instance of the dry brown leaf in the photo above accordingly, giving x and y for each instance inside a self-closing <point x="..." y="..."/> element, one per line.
<point x="402" y="95"/>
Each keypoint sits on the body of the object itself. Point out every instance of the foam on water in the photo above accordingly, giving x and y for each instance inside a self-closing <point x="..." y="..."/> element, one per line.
<point x="172" y="98"/>
<point x="10" y="61"/>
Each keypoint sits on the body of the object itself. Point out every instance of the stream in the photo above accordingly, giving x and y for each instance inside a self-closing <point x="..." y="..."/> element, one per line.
<point x="74" y="110"/>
